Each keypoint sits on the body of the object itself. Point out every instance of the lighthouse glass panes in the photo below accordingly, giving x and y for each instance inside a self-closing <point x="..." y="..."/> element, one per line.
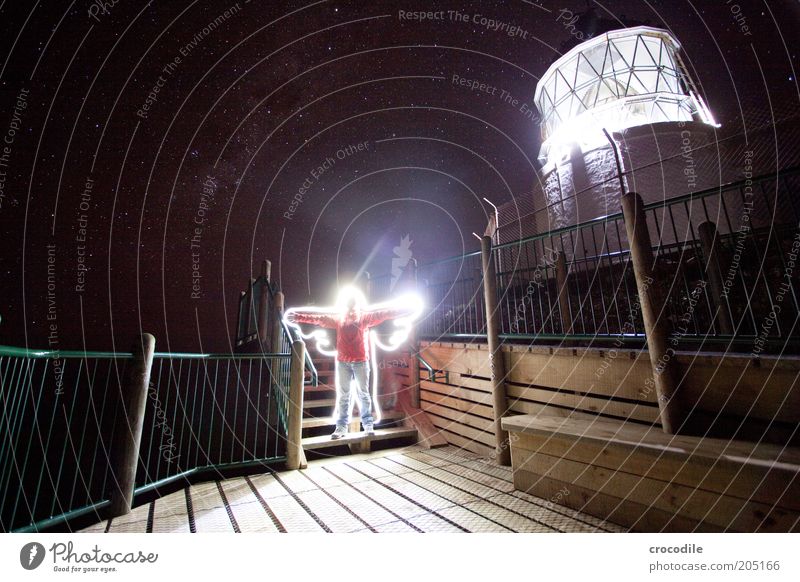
<point x="621" y="79"/>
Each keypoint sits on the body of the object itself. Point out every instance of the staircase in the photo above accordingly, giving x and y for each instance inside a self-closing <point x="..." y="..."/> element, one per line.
<point x="318" y="422"/>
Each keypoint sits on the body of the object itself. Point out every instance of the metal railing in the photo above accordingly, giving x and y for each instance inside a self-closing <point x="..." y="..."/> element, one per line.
<point x="203" y="413"/>
<point x="577" y="284"/>
<point x="59" y="411"/>
<point x="261" y="294"/>
<point x="453" y="290"/>
<point x="57" y="418"/>
<point x="212" y="411"/>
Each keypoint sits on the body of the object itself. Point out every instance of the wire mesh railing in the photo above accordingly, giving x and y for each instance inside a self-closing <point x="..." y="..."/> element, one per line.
<point x="725" y="258"/>
<point x="57" y="422"/>
<point x="453" y="291"/>
<point x="574" y="281"/>
<point x="60" y="410"/>
<point x="210" y="411"/>
<point x="737" y="280"/>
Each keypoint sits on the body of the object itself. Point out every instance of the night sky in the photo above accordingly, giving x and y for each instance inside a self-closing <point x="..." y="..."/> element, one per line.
<point x="147" y="143"/>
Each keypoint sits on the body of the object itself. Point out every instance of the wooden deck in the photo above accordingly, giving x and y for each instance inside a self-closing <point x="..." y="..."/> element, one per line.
<point x="407" y="490"/>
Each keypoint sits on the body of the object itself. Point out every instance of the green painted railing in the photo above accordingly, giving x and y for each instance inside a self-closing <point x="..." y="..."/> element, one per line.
<point x="59" y="411"/>
<point x="211" y="410"/>
<point x="57" y="415"/>
<point x="594" y="298"/>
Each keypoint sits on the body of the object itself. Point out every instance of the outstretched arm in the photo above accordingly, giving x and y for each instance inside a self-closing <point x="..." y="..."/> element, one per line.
<point x="312" y="317"/>
<point x="407" y="307"/>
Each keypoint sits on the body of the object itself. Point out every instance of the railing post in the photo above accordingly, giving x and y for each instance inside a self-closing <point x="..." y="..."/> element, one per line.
<point x="563" y="293"/>
<point x="656" y="326"/>
<point x="263" y="306"/>
<point x="414" y="345"/>
<point x="128" y="434"/>
<point x="496" y="361"/>
<point x="241" y="321"/>
<point x="709" y="243"/>
<point x="277" y="327"/>
<point x="252" y="322"/>
<point x="294" y="445"/>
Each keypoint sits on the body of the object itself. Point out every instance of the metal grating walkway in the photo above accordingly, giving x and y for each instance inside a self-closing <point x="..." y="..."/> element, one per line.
<point x="408" y="490"/>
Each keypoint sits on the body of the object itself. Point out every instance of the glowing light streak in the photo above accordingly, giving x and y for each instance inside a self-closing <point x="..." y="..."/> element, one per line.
<point x="411" y="303"/>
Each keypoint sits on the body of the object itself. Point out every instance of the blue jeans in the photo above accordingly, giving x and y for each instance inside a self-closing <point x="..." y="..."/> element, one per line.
<point x="346" y="372"/>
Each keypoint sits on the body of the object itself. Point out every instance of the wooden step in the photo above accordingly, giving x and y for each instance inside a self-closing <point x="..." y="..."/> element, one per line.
<point x="329" y="421"/>
<point x="639" y="477"/>
<point x="320" y="388"/>
<point x="321" y="373"/>
<point x="318" y="403"/>
<point x="325" y="441"/>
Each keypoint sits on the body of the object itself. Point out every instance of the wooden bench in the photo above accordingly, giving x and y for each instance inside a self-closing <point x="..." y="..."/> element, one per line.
<point x="641" y="478"/>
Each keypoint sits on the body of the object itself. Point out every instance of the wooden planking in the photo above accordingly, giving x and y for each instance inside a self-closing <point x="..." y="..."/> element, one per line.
<point x="474" y="362"/>
<point x="730" y="485"/>
<point x="587" y="371"/>
<point x="772" y="486"/>
<point x="468" y="444"/>
<point x="314" y="422"/>
<point x="478" y="401"/>
<point x="631" y="435"/>
<point x="642" y="412"/>
<point x="460" y="417"/>
<point x="721" y="510"/>
<point x="457" y="392"/>
<point x="624" y="512"/>
<point x="462" y="407"/>
<point x="620" y="373"/>
<point x="319" y="403"/>
<point x="535" y="409"/>
<point x="476" y="383"/>
<point x="400" y="375"/>
<point x="324" y="441"/>
<point x="765" y="388"/>
<point x="463" y="430"/>
<point x="458" y="404"/>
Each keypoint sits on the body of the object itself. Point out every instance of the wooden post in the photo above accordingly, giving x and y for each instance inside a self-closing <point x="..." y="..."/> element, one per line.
<point x="563" y="293"/>
<point x="128" y="434"/>
<point x="263" y="306"/>
<point x="294" y="437"/>
<point x="496" y="362"/>
<point x="656" y="326"/>
<point x="277" y="328"/>
<point x="709" y="242"/>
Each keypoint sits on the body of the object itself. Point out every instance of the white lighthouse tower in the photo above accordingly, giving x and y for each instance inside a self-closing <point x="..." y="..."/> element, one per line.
<point x="633" y="84"/>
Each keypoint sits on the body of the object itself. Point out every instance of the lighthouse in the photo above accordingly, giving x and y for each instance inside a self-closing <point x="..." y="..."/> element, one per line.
<point x="628" y="90"/>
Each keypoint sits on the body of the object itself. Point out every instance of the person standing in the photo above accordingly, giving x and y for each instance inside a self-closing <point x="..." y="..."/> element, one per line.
<point x="352" y="320"/>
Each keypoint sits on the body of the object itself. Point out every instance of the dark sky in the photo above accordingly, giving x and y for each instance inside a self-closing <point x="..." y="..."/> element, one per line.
<point x="352" y="101"/>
